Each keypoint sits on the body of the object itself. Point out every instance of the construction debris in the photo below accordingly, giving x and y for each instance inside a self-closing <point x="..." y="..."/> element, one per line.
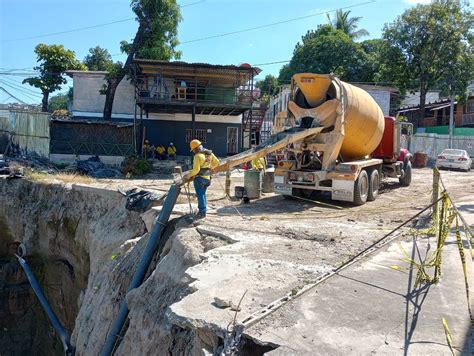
<point x="93" y="167"/>
<point x="141" y="200"/>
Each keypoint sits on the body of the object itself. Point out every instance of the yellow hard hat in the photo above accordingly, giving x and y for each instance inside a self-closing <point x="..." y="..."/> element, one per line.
<point x="194" y="144"/>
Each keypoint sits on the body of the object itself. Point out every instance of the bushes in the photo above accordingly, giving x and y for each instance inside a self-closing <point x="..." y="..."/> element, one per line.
<point x="135" y="165"/>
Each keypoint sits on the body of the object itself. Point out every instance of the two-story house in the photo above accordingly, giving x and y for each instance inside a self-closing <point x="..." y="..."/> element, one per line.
<point x="174" y="102"/>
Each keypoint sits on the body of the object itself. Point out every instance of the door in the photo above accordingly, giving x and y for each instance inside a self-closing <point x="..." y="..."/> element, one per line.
<point x="232" y="140"/>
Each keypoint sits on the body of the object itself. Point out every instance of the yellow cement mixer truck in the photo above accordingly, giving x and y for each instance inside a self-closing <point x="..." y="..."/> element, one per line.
<point x="355" y="148"/>
<point x="341" y="143"/>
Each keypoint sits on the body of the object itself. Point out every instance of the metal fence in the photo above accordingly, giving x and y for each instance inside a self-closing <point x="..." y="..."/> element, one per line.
<point x="91" y="138"/>
<point x="27" y="129"/>
<point x="433" y="144"/>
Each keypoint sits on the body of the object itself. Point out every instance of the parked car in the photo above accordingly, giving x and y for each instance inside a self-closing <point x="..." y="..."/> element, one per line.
<point x="452" y="158"/>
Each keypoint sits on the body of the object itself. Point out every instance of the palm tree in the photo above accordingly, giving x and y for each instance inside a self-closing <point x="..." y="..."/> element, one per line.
<point x="349" y="25"/>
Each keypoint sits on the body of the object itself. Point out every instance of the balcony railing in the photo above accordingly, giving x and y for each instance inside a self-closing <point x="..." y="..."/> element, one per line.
<point x="468" y="119"/>
<point x="189" y="95"/>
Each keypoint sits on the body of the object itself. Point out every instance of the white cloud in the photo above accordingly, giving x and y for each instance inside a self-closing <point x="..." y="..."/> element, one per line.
<point x="414" y="2"/>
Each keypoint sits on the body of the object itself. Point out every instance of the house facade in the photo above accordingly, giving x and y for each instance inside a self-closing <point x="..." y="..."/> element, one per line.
<point x="174" y="102"/>
<point x="437" y="113"/>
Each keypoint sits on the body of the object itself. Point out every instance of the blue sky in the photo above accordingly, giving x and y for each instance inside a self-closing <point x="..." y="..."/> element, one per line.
<point x="201" y="18"/>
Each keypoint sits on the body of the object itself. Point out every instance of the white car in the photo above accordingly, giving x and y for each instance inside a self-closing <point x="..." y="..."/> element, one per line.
<point x="452" y="158"/>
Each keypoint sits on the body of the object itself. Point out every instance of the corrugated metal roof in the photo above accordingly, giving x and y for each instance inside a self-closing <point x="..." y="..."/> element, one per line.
<point x="198" y="66"/>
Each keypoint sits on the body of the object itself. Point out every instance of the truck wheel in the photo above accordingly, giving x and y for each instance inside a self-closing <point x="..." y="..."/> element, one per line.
<point x="406" y="179"/>
<point x="374" y="184"/>
<point x="361" y="188"/>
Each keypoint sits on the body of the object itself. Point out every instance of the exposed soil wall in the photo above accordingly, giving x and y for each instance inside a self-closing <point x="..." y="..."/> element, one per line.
<point x="67" y="231"/>
<point x="83" y="246"/>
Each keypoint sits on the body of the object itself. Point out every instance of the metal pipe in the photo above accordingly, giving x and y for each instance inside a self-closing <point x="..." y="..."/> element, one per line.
<point x="62" y="333"/>
<point x="142" y="268"/>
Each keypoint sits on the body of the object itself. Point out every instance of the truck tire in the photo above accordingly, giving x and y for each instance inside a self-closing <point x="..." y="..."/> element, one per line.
<point x="406" y="179"/>
<point x="361" y="188"/>
<point x="374" y="184"/>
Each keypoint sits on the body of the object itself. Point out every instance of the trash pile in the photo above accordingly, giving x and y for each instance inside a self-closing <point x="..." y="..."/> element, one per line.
<point x="93" y="167"/>
<point x="11" y="172"/>
<point x="141" y="200"/>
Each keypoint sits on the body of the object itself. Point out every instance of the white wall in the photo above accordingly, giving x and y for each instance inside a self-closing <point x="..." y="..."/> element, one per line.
<point x="381" y="97"/>
<point x="87" y="97"/>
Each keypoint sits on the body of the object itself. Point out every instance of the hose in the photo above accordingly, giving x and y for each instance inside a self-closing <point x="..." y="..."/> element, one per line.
<point x="62" y="333"/>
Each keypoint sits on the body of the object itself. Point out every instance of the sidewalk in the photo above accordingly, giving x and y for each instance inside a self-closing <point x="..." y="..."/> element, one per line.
<point x="372" y="308"/>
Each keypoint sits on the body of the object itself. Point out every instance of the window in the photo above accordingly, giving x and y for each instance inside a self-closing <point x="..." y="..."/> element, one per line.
<point x="200" y="135"/>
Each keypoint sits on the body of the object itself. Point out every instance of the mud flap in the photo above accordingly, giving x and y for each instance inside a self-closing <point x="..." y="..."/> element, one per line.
<point x="342" y="190"/>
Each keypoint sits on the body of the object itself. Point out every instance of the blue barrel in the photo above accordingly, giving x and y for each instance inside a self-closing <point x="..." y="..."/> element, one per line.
<point x="253" y="183"/>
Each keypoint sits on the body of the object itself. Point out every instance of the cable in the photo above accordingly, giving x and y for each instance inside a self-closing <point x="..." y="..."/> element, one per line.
<point x="274" y="23"/>
<point x="10" y="81"/>
<point x="69" y="31"/>
<point x="87" y="27"/>
<point x="11" y="95"/>
<point x="21" y="89"/>
<point x="21" y="92"/>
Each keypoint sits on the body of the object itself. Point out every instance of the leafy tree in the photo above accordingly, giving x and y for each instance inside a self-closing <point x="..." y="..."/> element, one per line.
<point x="58" y="102"/>
<point x="156" y="38"/>
<point x="435" y="41"/>
<point x="327" y="50"/>
<point x="98" y="59"/>
<point x="381" y="58"/>
<point x="54" y="61"/>
<point x="268" y="86"/>
<point x="347" y="24"/>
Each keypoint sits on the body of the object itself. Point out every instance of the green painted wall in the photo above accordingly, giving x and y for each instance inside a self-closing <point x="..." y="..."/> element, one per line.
<point x="444" y="130"/>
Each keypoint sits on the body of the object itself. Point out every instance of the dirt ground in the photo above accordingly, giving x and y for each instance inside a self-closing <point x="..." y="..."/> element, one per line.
<point x="343" y="228"/>
<point x="273" y="246"/>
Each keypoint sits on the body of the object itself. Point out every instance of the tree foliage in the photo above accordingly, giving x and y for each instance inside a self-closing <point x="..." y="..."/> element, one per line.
<point x="156" y="38"/>
<point x="54" y="61"/>
<point x="268" y="86"/>
<point x="435" y="43"/>
<point x="58" y="102"/>
<point x="98" y="59"/>
<point x="347" y="24"/>
<point x="327" y="50"/>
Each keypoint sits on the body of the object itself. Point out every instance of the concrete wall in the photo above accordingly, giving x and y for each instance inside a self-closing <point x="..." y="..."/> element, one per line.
<point x="433" y="144"/>
<point x="87" y="97"/>
<point x="381" y="97"/>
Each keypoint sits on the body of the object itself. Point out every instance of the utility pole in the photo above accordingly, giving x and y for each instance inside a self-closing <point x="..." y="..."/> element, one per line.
<point x="451" y="116"/>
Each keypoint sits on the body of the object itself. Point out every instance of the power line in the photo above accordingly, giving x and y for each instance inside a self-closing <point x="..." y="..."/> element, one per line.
<point x="8" y="80"/>
<point x="11" y="95"/>
<point x="19" y="91"/>
<point x="69" y="31"/>
<point x="274" y="23"/>
<point x="87" y="27"/>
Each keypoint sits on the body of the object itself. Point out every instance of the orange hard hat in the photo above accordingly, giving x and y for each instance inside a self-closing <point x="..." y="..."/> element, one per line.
<point x="194" y="144"/>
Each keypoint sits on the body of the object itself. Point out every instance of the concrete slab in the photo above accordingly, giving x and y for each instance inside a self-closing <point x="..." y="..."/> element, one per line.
<point x="372" y="308"/>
